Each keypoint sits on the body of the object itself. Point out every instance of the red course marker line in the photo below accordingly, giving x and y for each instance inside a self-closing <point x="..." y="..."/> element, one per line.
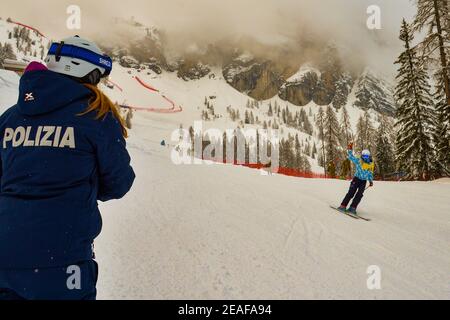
<point x="28" y="27"/>
<point x="173" y="109"/>
<point x="145" y="85"/>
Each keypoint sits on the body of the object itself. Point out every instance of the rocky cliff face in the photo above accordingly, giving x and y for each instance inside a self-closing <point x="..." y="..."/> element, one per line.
<point x="301" y="89"/>
<point x="192" y="70"/>
<point x="259" y="79"/>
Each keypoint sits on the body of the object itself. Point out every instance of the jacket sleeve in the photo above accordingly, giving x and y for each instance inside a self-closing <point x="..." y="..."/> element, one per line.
<point x="116" y="176"/>
<point x="353" y="159"/>
<point x="370" y="176"/>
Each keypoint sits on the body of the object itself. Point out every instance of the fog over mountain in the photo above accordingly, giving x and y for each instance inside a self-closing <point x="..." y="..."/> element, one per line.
<point x="193" y="24"/>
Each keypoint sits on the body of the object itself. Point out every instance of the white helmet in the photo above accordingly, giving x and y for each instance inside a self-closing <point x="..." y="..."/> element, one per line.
<point x="79" y="58"/>
<point x="366" y="153"/>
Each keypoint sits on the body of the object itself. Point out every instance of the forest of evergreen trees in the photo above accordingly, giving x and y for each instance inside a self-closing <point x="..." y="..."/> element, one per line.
<point x="415" y="145"/>
<point x="422" y="146"/>
<point x="331" y="126"/>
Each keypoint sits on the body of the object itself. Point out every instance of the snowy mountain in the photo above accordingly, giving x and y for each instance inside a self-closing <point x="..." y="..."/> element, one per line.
<point x="299" y="88"/>
<point x="227" y="88"/>
<point x="325" y="80"/>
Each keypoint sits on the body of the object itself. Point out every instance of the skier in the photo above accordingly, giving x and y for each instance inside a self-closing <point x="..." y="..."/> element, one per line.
<point x="62" y="149"/>
<point x="364" y="172"/>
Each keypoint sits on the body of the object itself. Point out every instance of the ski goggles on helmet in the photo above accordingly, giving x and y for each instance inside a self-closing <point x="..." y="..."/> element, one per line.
<point x="366" y="158"/>
<point x="66" y="50"/>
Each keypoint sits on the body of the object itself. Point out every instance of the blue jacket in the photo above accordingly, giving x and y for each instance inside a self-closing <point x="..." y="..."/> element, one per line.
<point x="55" y="165"/>
<point x="364" y="171"/>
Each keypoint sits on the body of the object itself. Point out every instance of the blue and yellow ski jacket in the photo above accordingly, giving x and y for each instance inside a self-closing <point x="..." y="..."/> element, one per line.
<point x="55" y="166"/>
<point x="364" y="171"/>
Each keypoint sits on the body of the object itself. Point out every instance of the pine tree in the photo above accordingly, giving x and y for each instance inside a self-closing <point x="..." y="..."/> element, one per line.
<point x="270" y="112"/>
<point x="370" y="131"/>
<point x="435" y="15"/>
<point x="415" y="120"/>
<point x="365" y="133"/>
<point x="252" y="118"/>
<point x="314" y="151"/>
<point x="320" y="123"/>
<point x="331" y="136"/>
<point x="345" y="137"/>
<point x="346" y="128"/>
<point x="384" y="154"/>
<point x="360" y="139"/>
<point x="287" y="156"/>
<point x="441" y="134"/>
<point x="298" y="154"/>
<point x="6" y="52"/>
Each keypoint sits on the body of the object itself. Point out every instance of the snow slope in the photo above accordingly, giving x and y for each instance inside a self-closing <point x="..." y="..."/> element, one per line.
<point x="9" y="83"/>
<point x="225" y="232"/>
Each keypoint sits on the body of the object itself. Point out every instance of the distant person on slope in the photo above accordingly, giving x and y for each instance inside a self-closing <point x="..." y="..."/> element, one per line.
<point x="62" y="149"/>
<point x="364" y="172"/>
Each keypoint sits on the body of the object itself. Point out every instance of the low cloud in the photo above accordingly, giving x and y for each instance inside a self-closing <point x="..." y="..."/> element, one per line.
<point x="200" y="22"/>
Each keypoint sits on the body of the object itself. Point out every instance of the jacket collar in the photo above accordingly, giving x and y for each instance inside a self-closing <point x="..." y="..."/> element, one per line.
<point x="45" y="91"/>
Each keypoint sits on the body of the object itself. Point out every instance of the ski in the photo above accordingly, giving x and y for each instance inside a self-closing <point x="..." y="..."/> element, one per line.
<point x="354" y="216"/>
<point x="362" y="218"/>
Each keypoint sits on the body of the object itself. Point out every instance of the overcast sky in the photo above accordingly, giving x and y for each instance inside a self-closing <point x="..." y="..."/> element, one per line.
<point x="208" y="20"/>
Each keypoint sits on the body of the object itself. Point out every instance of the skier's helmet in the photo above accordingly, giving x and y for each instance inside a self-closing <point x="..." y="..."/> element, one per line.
<point x="366" y="155"/>
<point x="80" y="59"/>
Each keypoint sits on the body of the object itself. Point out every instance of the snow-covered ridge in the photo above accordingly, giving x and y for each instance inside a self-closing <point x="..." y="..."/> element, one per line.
<point x="304" y="69"/>
<point x="27" y="45"/>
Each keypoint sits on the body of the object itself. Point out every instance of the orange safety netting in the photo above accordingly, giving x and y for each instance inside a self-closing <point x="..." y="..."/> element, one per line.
<point x="284" y="171"/>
